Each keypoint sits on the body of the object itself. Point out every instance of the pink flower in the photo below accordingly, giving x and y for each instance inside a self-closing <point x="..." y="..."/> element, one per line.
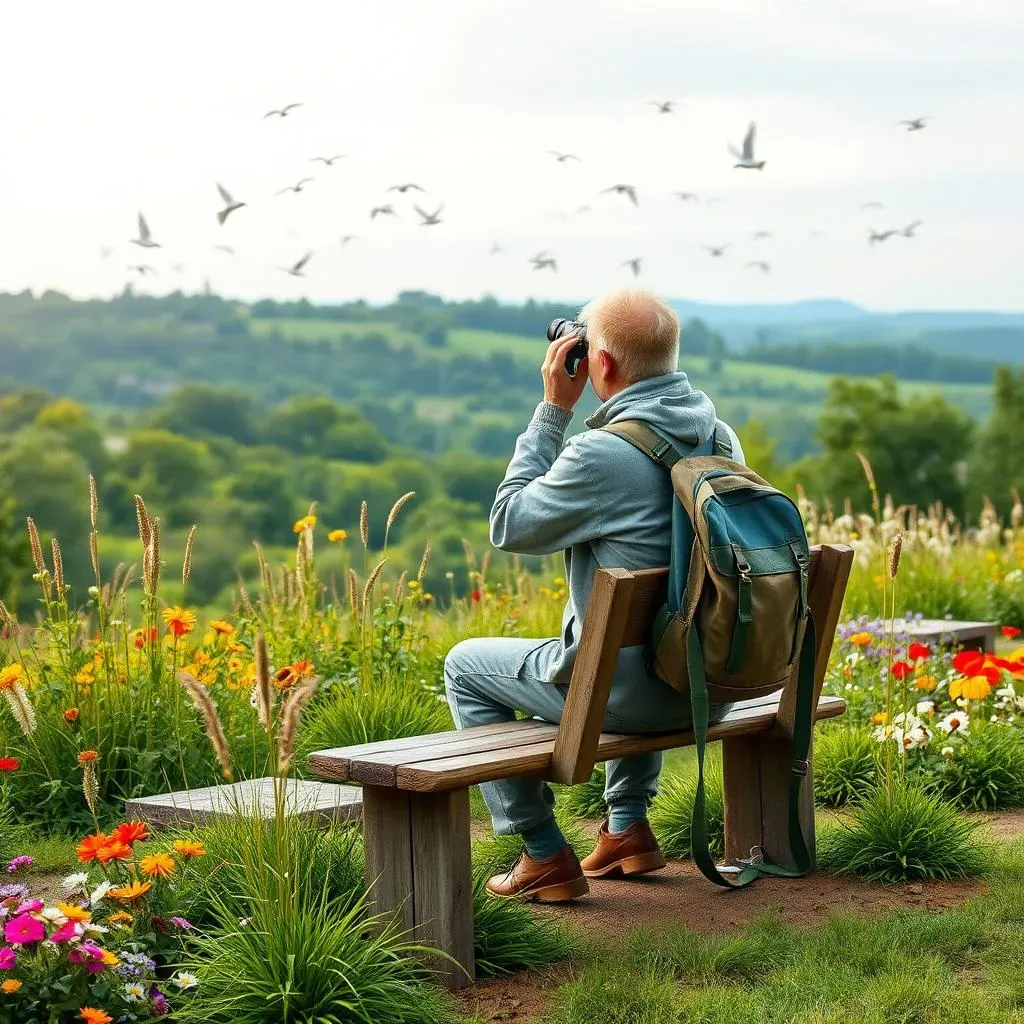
<point x="67" y="931"/>
<point x="24" y="929"/>
<point x="30" y="907"/>
<point x="7" y="958"/>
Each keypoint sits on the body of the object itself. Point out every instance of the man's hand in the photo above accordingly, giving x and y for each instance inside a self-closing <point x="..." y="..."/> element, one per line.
<point x="559" y="388"/>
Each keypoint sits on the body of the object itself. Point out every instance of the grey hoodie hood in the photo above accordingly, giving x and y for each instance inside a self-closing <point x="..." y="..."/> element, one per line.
<point x="668" y="403"/>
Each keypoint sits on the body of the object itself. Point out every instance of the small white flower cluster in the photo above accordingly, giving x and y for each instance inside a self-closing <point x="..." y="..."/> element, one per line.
<point x="910" y="732"/>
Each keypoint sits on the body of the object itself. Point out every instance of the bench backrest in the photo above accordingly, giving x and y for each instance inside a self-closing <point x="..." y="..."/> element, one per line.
<point x="620" y="613"/>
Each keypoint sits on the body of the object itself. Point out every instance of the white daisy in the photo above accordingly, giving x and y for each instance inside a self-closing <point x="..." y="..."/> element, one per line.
<point x="947" y="751"/>
<point x="75" y="881"/>
<point x="185" y="980"/>
<point x="135" y="992"/>
<point x="100" y="892"/>
<point x="955" y="721"/>
<point x="52" y="915"/>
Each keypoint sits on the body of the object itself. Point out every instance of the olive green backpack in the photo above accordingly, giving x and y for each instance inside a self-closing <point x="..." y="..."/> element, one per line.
<point x="735" y="624"/>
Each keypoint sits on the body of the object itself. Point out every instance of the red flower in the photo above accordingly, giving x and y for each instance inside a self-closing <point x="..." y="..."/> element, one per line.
<point x="475" y="596"/>
<point x="968" y="663"/>
<point x="130" y="832"/>
<point x="901" y="670"/>
<point x="1009" y="631"/>
<point x="918" y="652"/>
<point x="9" y="764"/>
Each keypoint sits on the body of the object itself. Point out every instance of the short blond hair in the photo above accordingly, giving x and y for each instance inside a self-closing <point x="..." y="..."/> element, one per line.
<point x="637" y="329"/>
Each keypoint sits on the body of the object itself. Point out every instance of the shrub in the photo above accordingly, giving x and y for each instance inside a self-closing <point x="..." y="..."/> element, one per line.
<point x="986" y="770"/>
<point x="900" y="832"/>
<point x="845" y="765"/>
<point x="672" y="811"/>
<point x="587" y="799"/>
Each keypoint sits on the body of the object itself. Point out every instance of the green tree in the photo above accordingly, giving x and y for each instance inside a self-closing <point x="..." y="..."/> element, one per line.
<point x="173" y="473"/>
<point x="200" y="410"/>
<point x="997" y="462"/>
<point x="15" y="558"/>
<point x="77" y="431"/>
<point x="265" y="505"/>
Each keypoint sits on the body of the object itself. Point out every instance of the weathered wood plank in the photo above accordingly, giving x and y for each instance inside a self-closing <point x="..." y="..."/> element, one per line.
<point x="443" y="883"/>
<point x="741" y="780"/>
<point x="776" y="772"/>
<point x="387" y="838"/>
<point x="583" y="718"/>
<point x="650" y="587"/>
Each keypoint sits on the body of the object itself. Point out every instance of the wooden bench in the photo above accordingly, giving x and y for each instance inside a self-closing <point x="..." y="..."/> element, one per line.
<point x="416" y="790"/>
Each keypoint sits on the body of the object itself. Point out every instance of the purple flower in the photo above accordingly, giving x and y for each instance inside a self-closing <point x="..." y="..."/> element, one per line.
<point x="15" y="891"/>
<point x="30" y="907"/>
<point x="18" y="863"/>
<point x="7" y="958"/>
<point x="135" y="965"/>
<point x="180" y="922"/>
<point x="158" y="1002"/>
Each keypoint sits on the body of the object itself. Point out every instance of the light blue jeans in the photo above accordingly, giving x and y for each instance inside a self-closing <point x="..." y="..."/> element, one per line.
<point x="488" y="680"/>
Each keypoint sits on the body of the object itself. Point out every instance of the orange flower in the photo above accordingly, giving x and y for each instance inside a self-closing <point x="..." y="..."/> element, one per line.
<point x="131" y="832"/>
<point x="157" y="865"/>
<point x="131" y="892"/>
<point x="10" y="986"/>
<point x="188" y="848"/>
<point x="90" y="846"/>
<point x="114" y="850"/>
<point x="284" y="677"/>
<point x="84" y="676"/>
<point x="11" y="675"/>
<point x="970" y="688"/>
<point x="71" y="715"/>
<point x="88" y="757"/>
<point x="139" y="637"/>
<point x="73" y="912"/>
<point x="222" y="627"/>
<point x="109" y="959"/>
<point x="879" y="718"/>
<point x="925" y="683"/>
<point x="121" y="917"/>
<point x="180" y="621"/>
<point x="305" y="523"/>
<point x="90" y="1015"/>
<point x="860" y="639"/>
<point x="302" y="668"/>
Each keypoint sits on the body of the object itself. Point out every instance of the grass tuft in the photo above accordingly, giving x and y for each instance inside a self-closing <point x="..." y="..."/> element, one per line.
<point x="672" y="811"/>
<point x="987" y="771"/>
<point x="587" y="799"/>
<point x="845" y="764"/>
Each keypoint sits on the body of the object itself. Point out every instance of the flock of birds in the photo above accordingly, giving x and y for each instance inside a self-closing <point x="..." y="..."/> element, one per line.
<point x="745" y="156"/>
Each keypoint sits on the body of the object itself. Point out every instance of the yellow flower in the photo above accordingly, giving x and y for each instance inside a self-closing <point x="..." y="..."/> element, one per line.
<point x="559" y="581"/>
<point x="970" y="688"/>
<point x="180" y="621"/>
<point x="201" y="658"/>
<point x="305" y="523"/>
<point x="11" y="675"/>
<point x="10" y="986"/>
<point x="84" y="676"/>
<point x="860" y="639"/>
<point x="157" y="865"/>
<point x="879" y="718"/>
<point x="130" y="893"/>
<point x="925" y="683"/>
<point x="121" y="917"/>
<point x="73" y="912"/>
<point x="222" y="627"/>
<point x="109" y="959"/>
<point x="336" y="536"/>
<point x="188" y="848"/>
<point x="235" y="664"/>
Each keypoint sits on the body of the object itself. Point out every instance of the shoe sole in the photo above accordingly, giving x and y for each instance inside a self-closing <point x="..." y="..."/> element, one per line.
<point x="562" y="892"/>
<point x="640" y="864"/>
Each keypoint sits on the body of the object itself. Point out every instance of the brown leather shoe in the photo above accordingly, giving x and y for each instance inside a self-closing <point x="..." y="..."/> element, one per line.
<point x="551" y="880"/>
<point x="621" y="854"/>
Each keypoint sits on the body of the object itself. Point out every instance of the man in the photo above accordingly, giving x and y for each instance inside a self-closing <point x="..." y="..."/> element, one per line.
<point x="607" y="505"/>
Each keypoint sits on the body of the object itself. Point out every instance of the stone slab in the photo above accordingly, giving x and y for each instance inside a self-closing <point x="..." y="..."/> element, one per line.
<point x="323" y="802"/>
<point x="951" y="632"/>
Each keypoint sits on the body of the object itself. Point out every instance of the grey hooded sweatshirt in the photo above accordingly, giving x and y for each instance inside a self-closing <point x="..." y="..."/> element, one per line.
<point x="597" y="497"/>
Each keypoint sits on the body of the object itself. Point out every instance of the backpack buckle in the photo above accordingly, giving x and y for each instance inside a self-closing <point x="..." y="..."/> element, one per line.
<point x="800" y="767"/>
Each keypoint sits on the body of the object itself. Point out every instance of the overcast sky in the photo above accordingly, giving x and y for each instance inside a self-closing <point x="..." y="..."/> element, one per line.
<point x="111" y="108"/>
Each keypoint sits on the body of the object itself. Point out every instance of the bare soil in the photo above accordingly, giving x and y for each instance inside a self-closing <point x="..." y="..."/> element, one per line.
<point x="519" y="999"/>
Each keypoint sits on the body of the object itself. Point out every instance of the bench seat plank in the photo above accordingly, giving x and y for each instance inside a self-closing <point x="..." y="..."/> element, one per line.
<point x="518" y="749"/>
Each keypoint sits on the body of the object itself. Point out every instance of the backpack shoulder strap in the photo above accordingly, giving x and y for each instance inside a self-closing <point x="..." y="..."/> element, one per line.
<point x="647" y="439"/>
<point x="723" y="440"/>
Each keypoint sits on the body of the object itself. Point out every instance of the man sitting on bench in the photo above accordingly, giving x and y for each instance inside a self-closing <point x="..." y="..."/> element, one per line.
<point x="607" y="505"/>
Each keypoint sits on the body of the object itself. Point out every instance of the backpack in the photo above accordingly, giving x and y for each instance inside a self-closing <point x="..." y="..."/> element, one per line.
<point x="736" y="624"/>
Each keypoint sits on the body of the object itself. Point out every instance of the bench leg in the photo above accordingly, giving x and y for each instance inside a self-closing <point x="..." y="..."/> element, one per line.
<point x="756" y="776"/>
<point x="419" y="870"/>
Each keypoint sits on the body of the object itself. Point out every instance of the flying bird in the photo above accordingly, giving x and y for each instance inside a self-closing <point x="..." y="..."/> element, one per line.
<point x="664" y="106"/>
<point x="297" y="187"/>
<point x="717" y="250"/>
<point x="387" y="210"/>
<point x="761" y="234"/>
<point x="562" y="157"/>
<point x="495" y="248"/>
<point x="142" y="269"/>
<point x="542" y="260"/>
<point x="429" y="218"/>
<point x="878" y="236"/>
<point x="908" y="231"/>
<point x="764" y="267"/>
<point x="230" y="204"/>
<point x="746" y="158"/>
<point x="914" y="124"/>
<point x="328" y="161"/>
<point x="296" y="269"/>
<point x="623" y="190"/>
<point x="225" y="248"/>
<point x="283" y="112"/>
<point x="345" y="239"/>
<point x="872" y="206"/>
<point x="582" y="209"/>
<point x="634" y="263"/>
<point x="405" y="188"/>
<point x="686" y="197"/>
<point x="145" y="239"/>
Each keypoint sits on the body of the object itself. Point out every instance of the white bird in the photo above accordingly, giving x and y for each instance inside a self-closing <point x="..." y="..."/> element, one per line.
<point x="908" y="231"/>
<point x="634" y="263"/>
<point x="686" y="196"/>
<point x="405" y="188"/>
<point x="345" y="239"/>
<point x="878" y="236"/>
<point x="429" y="218"/>
<point x="542" y="260"/>
<point x="142" y="269"/>
<point x="230" y="204"/>
<point x="746" y="158"/>
<point x="495" y="248"/>
<point x="623" y="190"/>
<point x="664" y="106"/>
<point x="717" y="250"/>
<point x="145" y="239"/>
<point x="296" y="269"/>
<point x="764" y="267"/>
<point x="328" y="161"/>
<point x="562" y="157"/>
<point x="915" y="124"/>
<point x="387" y="210"/>
<point x="283" y="112"/>
<point x="225" y="248"/>
<point x="297" y="187"/>
<point x="761" y="234"/>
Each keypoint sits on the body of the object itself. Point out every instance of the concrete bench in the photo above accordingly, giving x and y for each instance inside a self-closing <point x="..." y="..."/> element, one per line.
<point x="979" y="636"/>
<point x="416" y="790"/>
<point x="321" y="802"/>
